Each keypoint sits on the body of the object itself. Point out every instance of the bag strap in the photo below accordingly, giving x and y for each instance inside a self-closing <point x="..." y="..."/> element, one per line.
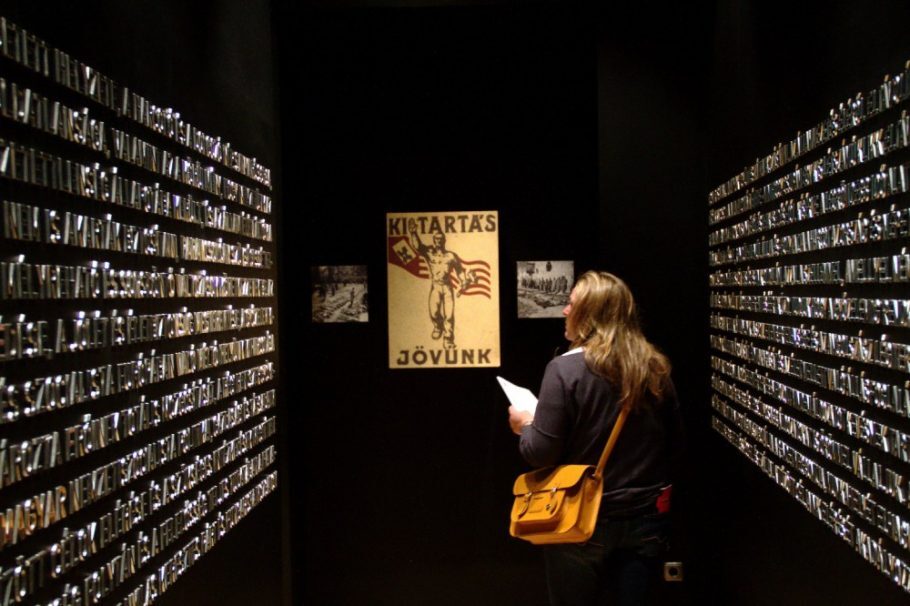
<point x="611" y="441"/>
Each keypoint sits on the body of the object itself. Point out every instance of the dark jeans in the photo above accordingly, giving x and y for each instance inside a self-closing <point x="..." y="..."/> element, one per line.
<point x="619" y="565"/>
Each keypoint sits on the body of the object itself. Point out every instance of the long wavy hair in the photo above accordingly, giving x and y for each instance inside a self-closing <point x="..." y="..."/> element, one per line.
<point x="604" y="321"/>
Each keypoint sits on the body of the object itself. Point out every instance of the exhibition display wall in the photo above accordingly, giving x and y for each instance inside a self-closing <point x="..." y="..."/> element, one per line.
<point x="137" y="334"/>
<point x="810" y="320"/>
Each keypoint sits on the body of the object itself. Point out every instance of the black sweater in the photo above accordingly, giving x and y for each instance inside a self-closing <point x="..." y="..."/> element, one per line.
<point x="575" y="414"/>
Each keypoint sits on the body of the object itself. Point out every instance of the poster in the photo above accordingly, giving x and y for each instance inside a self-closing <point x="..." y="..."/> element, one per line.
<point x="543" y="288"/>
<point x="443" y="289"/>
<point x="340" y="293"/>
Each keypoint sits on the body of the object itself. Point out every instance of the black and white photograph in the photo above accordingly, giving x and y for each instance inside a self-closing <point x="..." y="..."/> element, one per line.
<point x="340" y="293"/>
<point x="544" y="287"/>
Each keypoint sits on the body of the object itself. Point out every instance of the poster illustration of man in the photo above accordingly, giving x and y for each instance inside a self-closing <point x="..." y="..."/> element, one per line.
<point x="443" y="289"/>
<point x="445" y="269"/>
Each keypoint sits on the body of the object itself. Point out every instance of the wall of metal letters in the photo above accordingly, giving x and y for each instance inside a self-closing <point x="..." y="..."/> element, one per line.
<point x="810" y="319"/>
<point x="137" y="323"/>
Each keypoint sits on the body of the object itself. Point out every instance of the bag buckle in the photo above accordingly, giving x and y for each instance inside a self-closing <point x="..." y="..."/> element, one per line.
<point x="526" y="504"/>
<point x="552" y="503"/>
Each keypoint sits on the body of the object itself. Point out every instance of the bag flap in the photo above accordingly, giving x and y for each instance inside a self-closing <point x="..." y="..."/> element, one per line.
<point x="548" y="478"/>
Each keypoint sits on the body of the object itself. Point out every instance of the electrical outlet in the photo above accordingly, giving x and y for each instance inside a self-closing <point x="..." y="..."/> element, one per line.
<point x="673" y="571"/>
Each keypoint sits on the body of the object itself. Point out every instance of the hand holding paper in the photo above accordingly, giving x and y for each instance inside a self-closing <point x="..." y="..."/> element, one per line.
<point x="519" y="397"/>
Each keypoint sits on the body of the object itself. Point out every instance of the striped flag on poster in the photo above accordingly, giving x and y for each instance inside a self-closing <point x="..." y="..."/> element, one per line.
<point x="476" y="274"/>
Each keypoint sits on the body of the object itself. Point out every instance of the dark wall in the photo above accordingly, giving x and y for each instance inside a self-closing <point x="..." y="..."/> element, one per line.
<point x="597" y="134"/>
<point x="422" y="110"/>
<point x="687" y="97"/>
<point x="776" y="69"/>
<point x="651" y="81"/>
<point x="212" y="61"/>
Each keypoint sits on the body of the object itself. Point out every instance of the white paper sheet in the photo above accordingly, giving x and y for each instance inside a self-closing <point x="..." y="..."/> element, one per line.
<point x="519" y="397"/>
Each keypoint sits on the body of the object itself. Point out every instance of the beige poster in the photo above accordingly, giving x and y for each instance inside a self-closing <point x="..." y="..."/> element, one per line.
<point x="443" y="289"/>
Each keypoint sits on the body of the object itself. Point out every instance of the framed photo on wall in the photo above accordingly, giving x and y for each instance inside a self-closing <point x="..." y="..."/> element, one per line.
<point x="543" y="287"/>
<point x="340" y="293"/>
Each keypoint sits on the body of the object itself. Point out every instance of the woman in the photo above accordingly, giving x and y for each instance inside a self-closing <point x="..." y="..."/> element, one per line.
<point x="610" y="365"/>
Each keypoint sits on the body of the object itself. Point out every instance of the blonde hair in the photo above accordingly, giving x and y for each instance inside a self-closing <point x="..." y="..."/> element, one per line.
<point x="604" y="320"/>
